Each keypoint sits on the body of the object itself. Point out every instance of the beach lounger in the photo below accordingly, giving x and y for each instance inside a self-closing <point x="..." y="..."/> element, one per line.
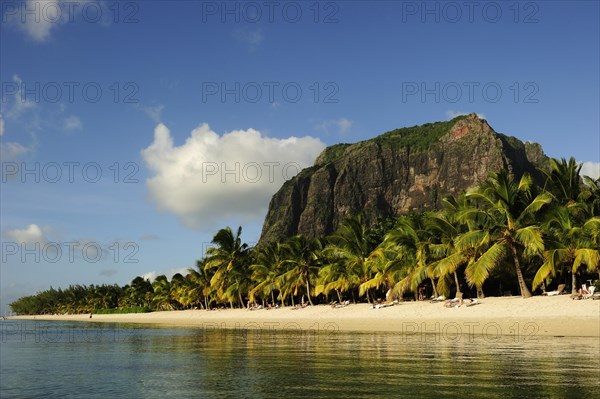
<point x="591" y="293"/>
<point x="559" y="290"/>
<point x="473" y="302"/>
<point x="440" y="298"/>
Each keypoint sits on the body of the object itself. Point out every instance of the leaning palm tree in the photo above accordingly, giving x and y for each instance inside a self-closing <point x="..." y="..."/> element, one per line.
<point x="457" y="244"/>
<point x="351" y="246"/>
<point x="228" y="258"/>
<point x="507" y="211"/>
<point x="389" y="267"/>
<point x="570" y="246"/>
<point x="300" y="262"/>
<point x="266" y="270"/>
<point x="335" y="276"/>
<point x="411" y="243"/>
<point x="200" y="279"/>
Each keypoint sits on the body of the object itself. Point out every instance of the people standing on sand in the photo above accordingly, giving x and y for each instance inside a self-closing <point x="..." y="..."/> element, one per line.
<point x="421" y="293"/>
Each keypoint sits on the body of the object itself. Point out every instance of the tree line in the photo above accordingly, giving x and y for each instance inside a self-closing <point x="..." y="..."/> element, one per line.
<point x="506" y="235"/>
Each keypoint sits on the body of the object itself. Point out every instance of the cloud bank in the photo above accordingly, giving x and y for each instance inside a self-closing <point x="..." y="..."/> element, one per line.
<point x="591" y="169"/>
<point x="30" y="235"/>
<point x="212" y="178"/>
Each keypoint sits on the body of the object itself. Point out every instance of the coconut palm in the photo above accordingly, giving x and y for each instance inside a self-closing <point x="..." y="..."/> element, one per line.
<point x="591" y="195"/>
<point x="506" y="210"/>
<point x="570" y="247"/>
<point x="563" y="180"/>
<point x="458" y="243"/>
<point x="227" y="258"/>
<point x="200" y="286"/>
<point x="411" y="242"/>
<point x="388" y="267"/>
<point x="161" y="297"/>
<point x="301" y="261"/>
<point x="266" y="271"/>
<point x="350" y="246"/>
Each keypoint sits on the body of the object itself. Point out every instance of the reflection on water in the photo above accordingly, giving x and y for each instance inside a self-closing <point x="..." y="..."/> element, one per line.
<point x="49" y="359"/>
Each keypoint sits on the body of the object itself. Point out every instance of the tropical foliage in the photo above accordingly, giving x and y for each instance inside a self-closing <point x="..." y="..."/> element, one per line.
<point x="507" y="235"/>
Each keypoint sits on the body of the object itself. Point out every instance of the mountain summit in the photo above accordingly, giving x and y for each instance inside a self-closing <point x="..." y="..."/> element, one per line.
<point x="404" y="170"/>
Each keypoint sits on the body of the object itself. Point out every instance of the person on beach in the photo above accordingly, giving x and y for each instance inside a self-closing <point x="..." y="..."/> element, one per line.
<point x="421" y="293"/>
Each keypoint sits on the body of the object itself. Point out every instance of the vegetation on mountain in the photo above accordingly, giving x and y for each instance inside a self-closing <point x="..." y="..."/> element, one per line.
<point x="506" y="234"/>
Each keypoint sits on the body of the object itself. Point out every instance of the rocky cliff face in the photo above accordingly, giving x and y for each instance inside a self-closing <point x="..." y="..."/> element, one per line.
<point x="404" y="170"/>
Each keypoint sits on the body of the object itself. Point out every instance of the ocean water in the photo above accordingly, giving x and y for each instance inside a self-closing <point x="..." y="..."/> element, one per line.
<point x="79" y="360"/>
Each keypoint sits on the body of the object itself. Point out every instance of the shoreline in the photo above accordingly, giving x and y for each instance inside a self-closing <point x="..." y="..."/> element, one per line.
<point x="493" y="317"/>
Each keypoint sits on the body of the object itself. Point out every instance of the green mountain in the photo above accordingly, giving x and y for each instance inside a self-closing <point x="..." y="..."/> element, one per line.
<point x="404" y="170"/>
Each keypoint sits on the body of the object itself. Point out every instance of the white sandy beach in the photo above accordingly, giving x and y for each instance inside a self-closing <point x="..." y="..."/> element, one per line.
<point x="522" y="318"/>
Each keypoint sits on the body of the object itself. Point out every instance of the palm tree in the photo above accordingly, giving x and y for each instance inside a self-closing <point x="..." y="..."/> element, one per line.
<point x="571" y="246"/>
<point x="228" y="259"/>
<point x="161" y="298"/>
<point x="506" y="211"/>
<point x="200" y="278"/>
<point x="388" y="268"/>
<point x="351" y="246"/>
<point x="591" y="195"/>
<point x="266" y="271"/>
<point x="563" y="180"/>
<point x="301" y="261"/>
<point x="459" y="243"/>
<point x="411" y="243"/>
<point x="178" y="291"/>
<point x="139" y="287"/>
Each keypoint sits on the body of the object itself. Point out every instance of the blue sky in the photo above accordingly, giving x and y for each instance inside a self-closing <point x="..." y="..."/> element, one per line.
<point x="148" y="125"/>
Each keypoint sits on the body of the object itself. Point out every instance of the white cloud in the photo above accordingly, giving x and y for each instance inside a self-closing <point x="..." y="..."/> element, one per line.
<point x="153" y="112"/>
<point x="591" y="169"/>
<point x="10" y="151"/>
<point x="21" y="104"/>
<point x="181" y="270"/>
<point x="45" y="15"/>
<point x="211" y="177"/>
<point x="341" y="125"/>
<point x="1" y="125"/>
<point x="251" y="38"/>
<point x="150" y="276"/>
<point x="453" y="114"/>
<point x="30" y="235"/>
<point x="39" y="18"/>
<point x="72" y="123"/>
<point x="344" y="125"/>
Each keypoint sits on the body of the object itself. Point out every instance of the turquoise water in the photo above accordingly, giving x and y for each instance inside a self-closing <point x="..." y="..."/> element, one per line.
<point x="57" y="359"/>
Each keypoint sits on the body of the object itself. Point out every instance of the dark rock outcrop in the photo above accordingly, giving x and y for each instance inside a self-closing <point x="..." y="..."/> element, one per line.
<point x="408" y="169"/>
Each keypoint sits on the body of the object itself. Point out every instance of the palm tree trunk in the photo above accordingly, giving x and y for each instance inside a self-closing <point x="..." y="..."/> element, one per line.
<point x="435" y="293"/>
<point x="480" y="294"/>
<point x="525" y="293"/>
<point x="339" y="296"/>
<point x="308" y="291"/>
<point x="368" y="297"/>
<point x="456" y="282"/>
<point x="573" y="282"/>
<point x="242" y="305"/>
<point x="272" y="298"/>
<point x="353" y="297"/>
